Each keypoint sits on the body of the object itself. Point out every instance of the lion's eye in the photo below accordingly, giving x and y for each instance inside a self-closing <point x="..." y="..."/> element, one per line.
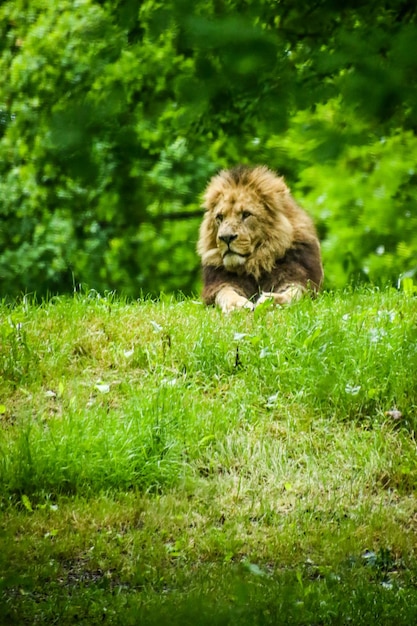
<point x="219" y="218"/>
<point x="246" y="214"/>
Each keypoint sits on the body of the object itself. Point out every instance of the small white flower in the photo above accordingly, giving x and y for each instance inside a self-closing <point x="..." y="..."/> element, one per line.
<point x="353" y="390"/>
<point x="169" y="382"/>
<point x="239" y="336"/>
<point x="270" y="403"/>
<point x="102" y="387"/>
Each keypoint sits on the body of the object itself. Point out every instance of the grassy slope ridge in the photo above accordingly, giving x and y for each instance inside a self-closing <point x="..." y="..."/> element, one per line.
<point x="164" y="461"/>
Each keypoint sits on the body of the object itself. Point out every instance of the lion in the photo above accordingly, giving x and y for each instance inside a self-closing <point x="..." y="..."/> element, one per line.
<point x="255" y="243"/>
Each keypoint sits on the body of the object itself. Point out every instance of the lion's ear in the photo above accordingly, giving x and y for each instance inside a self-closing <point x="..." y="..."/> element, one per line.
<point x="270" y="188"/>
<point x="211" y="198"/>
<point x="273" y="201"/>
<point x="277" y="197"/>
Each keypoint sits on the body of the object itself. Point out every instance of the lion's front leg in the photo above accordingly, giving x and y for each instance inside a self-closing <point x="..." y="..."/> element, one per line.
<point x="228" y="300"/>
<point x="290" y="293"/>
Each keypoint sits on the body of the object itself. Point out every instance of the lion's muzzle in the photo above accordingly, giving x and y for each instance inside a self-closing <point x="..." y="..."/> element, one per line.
<point x="227" y="238"/>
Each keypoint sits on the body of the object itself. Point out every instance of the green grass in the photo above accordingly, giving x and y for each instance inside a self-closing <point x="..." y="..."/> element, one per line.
<point x="162" y="463"/>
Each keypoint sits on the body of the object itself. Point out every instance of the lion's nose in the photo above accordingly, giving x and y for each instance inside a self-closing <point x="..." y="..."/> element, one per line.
<point x="228" y="238"/>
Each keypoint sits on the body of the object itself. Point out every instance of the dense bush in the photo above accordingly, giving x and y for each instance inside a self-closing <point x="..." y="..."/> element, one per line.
<point x="364" y="199"/>
<point x="113" y="115"/>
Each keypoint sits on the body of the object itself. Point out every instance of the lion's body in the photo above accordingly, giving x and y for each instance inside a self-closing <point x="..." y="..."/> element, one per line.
<point x="255" y="242"/>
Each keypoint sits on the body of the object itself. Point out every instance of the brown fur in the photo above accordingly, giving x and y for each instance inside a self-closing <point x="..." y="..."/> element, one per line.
<point x="255" y="242"/>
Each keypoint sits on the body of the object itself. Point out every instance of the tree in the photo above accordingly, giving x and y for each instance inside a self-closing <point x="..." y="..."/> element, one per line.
<point x="114" y="115"/>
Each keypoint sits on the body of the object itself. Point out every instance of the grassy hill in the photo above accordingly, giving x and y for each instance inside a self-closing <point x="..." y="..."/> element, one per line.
<point x="164" y="463"/>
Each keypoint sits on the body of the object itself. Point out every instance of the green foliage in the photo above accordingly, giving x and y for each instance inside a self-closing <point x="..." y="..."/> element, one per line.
<point x="113" y="116"/>
<point x="88" y="157"/>
<point x="363" y="199"/>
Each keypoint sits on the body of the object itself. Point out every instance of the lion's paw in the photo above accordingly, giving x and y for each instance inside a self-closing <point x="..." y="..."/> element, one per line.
<point x="229" y="300"/>
<point x="265" y="297"/>
<point x="237" y="303"/>
<point x="285" y="296"/>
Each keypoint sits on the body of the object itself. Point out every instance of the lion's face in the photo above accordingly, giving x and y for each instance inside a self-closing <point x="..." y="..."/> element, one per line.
<point x="245" y="227"/>
<point x="238" y="221"/>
